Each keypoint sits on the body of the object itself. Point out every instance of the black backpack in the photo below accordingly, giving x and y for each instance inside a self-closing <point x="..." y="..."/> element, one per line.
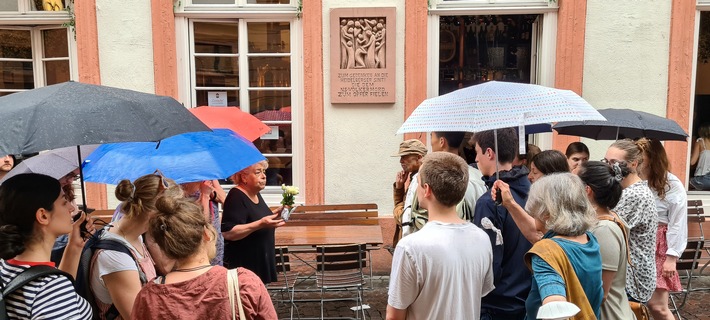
<point x="83" y="280"/>
<point x="25" y="277"/>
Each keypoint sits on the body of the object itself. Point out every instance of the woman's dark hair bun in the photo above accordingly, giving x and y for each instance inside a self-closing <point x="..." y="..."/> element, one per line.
<point x="12" y="242"/>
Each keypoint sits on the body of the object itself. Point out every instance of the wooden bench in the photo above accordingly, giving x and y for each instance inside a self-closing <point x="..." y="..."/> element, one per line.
<point x="334" y="215"/>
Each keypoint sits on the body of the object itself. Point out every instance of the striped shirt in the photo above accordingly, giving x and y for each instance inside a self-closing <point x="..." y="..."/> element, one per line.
<point x="48" y="297"/>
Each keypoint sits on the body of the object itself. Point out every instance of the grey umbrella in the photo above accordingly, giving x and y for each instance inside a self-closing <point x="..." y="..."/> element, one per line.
<point x="73" y="113"/>
<point x="624" y="123"/>
<point x="55" y="163"/>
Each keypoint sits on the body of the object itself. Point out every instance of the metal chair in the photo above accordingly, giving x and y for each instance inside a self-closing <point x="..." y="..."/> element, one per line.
<point x="339" y="268"/>
<point x="689" y="259"/>
<point x="287" y="279"/>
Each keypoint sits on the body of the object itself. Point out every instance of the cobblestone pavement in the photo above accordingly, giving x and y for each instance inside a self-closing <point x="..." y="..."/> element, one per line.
<point x="696" y="308"/>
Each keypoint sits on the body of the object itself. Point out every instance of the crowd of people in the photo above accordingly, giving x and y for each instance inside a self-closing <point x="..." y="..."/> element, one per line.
<point x="165" y="254"/>
<point x="509" y="236"/>
<point x="601" y="235"/>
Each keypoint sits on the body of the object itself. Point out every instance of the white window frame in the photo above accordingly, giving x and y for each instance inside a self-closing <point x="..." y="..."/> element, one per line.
<point x="546" y="56"/>
<point x="37" y="21"/>
<point x="188" y="14"/>
<point x="26" y="16"/>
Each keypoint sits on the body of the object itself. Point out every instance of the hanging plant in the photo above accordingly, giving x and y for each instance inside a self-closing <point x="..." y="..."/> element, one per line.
<point x="72" y="18"/>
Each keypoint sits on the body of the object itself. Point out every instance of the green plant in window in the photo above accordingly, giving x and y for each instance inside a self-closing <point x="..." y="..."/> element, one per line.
<point x="299" y="9"/>
<point x="69" y="8"/>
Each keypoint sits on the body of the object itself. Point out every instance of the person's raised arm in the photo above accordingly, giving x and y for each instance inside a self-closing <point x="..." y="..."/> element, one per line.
<point x="523" y="220"/>
<point x="219" y="194"/>
<point x="72" y="252"/>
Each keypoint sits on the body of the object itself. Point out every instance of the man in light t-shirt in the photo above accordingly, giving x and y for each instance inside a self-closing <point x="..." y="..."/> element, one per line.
<point x="443" y="270"/>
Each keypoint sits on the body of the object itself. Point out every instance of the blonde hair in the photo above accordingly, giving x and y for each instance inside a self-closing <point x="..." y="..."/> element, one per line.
<point x="237" y="177"/>
<point x="560" y="200"/>
<point x="139" y="197"/>
<point x="631" y="149"/>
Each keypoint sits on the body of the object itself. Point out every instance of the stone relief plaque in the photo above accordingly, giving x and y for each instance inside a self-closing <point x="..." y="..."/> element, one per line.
<point x="362" y="50"/>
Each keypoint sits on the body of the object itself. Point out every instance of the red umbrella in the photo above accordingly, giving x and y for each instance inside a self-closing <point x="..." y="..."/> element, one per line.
<point x="232" y="118"/>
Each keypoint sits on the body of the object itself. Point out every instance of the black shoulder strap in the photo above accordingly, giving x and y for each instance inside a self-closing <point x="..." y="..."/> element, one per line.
<point x="30" y="274"/>
<point x="25" y="277"/>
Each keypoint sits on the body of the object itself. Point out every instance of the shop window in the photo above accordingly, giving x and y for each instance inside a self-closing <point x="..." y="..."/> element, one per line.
<point x="247" y="64"/>
<point x="32" y="57"/>
<point x="476" y="49"/>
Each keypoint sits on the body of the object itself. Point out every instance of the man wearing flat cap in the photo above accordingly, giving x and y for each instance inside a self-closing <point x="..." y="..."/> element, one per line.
<point x="410" y="156"/>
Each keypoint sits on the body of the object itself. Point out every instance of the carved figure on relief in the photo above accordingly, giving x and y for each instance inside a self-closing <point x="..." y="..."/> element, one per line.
<point x="362" y="43"/>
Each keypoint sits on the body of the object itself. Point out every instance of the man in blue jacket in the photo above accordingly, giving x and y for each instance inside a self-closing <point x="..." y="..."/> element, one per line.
<point x="511" y="278"/>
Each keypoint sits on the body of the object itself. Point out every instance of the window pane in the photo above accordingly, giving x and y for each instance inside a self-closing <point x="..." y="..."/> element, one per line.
<point x="271" y="37"/>
<point x="276" y="146"/>
<point x="232" y="97"/>
<point x="269" y="72"/>
<point x="217" y="71"/>
<point x="215" y="37"/>
<point x="267" y="1"/>
<point x="279" y="171"/>
<point x="38" y="5"/>
<point x="8" y="5"/>
<point x="272" y="103"/>
<point x="15" y="44"/>
<point x="55" y="43"/>
<point x="56" y="71"/>
<point x="17" y="75"/>
<point x="213" y="1"/>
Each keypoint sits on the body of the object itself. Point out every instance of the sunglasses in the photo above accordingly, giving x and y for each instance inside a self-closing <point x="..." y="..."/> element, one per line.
<point x="163" y="182"/>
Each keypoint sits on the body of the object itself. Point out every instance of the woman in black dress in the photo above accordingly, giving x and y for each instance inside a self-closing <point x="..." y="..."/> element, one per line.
<point x="248" y="224"/>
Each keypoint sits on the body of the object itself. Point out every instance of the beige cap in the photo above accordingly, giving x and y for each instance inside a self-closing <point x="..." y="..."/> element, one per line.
<point x="411" y="146"/>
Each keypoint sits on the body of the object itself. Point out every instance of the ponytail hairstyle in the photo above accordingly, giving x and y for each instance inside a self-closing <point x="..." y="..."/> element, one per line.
<point x="138" y="198"/>
<point x="178" y="227"/>
<point x="658" y="165"/>
<point x="20" y="198"/>
<point x="604" y="180"/>
<point x="632" y="151"/>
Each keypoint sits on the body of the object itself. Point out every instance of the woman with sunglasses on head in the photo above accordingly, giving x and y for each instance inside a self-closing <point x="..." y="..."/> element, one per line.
<point x="637" y="208"/>
<point x="672" y="235"/>
<point x="603" y="186"/>
<point x="195" y="289"/>
<point x="115" y="277"/>
<point x="33" y="213"/>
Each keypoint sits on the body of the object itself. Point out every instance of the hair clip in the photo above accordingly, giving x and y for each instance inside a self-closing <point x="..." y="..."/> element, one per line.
<point x="618" y="176"/>
<point x="163" y="227"/>
<point x="133" y="191"/>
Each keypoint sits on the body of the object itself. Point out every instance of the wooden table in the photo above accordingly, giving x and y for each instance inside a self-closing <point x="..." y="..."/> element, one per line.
<point x="328" y="235"/>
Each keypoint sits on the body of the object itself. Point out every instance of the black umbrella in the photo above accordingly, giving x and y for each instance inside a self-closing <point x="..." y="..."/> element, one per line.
<point x="74" y="114"/>
<point x="624" y="123"/>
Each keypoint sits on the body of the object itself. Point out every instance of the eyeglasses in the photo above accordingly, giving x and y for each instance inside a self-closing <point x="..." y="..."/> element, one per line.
<point x="613" y="161"/>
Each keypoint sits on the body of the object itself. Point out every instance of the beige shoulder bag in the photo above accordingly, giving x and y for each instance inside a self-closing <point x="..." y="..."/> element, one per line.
<point x="233" y="289"/>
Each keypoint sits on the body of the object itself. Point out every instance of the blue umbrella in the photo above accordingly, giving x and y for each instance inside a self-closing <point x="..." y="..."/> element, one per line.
<point x="188" y="157"/>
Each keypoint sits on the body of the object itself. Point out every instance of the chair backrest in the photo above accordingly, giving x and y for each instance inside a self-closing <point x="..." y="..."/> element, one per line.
<point x="334" y="215"/>
<point x="688" y="260"/>
<point x="696" y="217"/>
<point x="283" y="260"/>
<point x="351" y="257"/>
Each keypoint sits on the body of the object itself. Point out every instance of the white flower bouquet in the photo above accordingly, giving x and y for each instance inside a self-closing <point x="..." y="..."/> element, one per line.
<point x="289" y="197"/>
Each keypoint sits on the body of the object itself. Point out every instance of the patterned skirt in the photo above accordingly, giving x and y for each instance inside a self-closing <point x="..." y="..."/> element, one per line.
<point x="671" y="283"/>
